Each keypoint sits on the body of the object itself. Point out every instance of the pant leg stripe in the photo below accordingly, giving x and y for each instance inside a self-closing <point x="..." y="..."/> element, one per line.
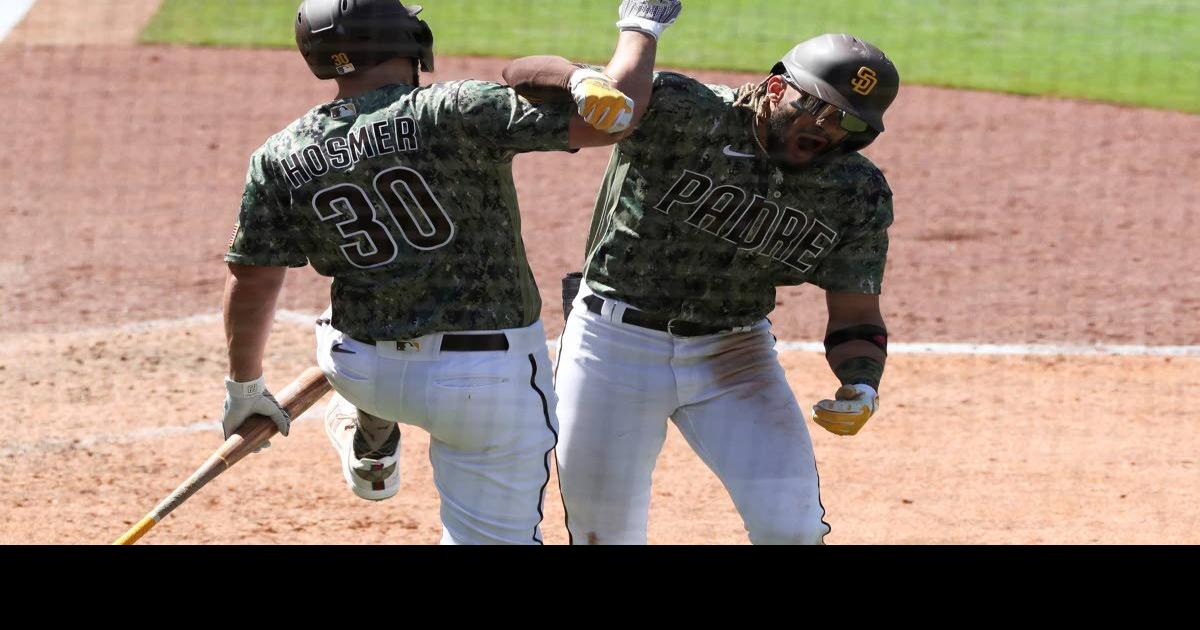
<point x="546" y="457"/>
<point x="566" y="515"/>
<point x="827" y="525"/>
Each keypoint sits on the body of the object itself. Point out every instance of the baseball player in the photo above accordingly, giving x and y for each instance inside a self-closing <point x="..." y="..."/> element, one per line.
<point x="404" y="195"/>
<point x="717" y="198"/>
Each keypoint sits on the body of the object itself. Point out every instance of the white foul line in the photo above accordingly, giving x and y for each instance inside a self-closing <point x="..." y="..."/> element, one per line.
<point x="981" y="349"/>
<point x="296" y="317"/>
<point x="307" y="319"/>
<point x="139" y="435"/>
<point x="1099" y="350"/>
<point x="283" y="315"/>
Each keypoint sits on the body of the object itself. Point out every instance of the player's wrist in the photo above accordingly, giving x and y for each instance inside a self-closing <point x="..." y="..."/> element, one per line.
<point x="646" y="27"/>
<point x="651" y="17"/>
<point x="245" y="389"/>
<point x="583" y="74"/>
<point x="868" y="392"/>
<point x="860" y="371"/>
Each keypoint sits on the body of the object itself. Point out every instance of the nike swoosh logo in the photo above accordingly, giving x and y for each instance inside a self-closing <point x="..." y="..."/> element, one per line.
<point x="728" y="150"/>
<point x="337" y="347"/>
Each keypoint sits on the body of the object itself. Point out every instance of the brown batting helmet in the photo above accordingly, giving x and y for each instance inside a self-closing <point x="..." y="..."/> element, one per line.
<point x="340" y="37"/>
<point x="847" y="72"/>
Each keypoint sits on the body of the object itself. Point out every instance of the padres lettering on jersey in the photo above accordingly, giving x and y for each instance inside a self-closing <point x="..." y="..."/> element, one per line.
<point x="757" y="226"/>
<point x="690" y="223"/>
<point x="405" y="197"/>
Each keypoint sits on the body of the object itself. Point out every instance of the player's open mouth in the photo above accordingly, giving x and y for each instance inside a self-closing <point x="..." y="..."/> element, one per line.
<point x="811" y="143"/>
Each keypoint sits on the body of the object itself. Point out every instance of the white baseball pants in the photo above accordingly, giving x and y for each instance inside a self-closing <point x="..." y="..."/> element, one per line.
<point x="489" y="414"/>
<point x="617" y="385"/>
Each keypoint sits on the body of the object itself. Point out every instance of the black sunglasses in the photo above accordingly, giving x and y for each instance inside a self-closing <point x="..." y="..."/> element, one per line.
<point x="814" y="106"/>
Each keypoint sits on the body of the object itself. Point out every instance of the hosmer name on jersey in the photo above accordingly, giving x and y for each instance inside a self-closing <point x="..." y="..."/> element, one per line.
<point x="396" y="135"/>
<point x="750" y="222"/>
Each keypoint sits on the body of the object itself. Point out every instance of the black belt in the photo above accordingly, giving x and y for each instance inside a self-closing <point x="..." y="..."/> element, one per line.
<point x="676" y="327"/>
<point x="495" y="342"/>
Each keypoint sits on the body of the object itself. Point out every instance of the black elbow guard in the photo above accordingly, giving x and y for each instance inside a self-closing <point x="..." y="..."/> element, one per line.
<point x="876" y="335"/>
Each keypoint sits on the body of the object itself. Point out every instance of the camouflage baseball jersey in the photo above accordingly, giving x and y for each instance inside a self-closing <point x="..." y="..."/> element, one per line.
<point x="691" y="224"/>
<point x="405" y="197"/>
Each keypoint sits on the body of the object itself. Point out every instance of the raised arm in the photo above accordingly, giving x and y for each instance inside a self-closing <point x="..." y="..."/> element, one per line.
<point x="612" y="102"/>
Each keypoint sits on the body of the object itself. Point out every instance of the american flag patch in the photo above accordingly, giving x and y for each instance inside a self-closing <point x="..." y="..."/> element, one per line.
<point x="233" y="237"/>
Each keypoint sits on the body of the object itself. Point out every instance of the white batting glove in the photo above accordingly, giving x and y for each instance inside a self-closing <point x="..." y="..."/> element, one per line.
<point x="243" y="400"/>
<point x="854" y="405"/>
<point x="651" y="17"/>
<point x="599" y="102"/>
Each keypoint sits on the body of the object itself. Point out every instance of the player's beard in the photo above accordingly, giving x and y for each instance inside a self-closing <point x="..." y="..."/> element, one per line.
<point x="778" y="124"/>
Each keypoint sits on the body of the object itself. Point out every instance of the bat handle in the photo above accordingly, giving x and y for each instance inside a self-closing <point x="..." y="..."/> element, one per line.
<point x="297" y="397"/>
<point x="136" y="532"/>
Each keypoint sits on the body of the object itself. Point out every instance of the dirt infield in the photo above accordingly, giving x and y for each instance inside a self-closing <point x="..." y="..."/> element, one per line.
<point x="70" y="23"/>
<point x="1018" y="220"/>
<point x="969" y="450"/>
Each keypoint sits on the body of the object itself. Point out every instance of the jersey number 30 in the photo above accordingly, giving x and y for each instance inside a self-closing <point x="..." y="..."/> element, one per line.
<point x="410" y="209"/>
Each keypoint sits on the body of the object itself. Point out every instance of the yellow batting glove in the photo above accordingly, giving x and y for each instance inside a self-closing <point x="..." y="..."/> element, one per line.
<point x="854" y="405"/>
<point x="601" y="104"/>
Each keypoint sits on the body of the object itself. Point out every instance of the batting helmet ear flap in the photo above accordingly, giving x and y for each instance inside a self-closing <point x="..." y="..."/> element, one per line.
<point x="857" y="141"/>
<point x="424" y="37"/>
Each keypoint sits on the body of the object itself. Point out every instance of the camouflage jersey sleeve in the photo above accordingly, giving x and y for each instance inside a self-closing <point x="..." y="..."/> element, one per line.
<point x="680" y="109"/>
<point x="679" y="106"/>
<point x="263" y="235"/>
<point x="495" y="117"/>
<point x="856" y="263"/>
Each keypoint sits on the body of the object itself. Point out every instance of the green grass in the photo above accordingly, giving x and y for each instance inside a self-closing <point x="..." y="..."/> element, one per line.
<point x="1140" y="52"/>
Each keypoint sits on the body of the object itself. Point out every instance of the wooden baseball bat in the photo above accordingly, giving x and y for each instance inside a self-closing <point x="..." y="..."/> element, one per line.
<point x="296" y="398"/>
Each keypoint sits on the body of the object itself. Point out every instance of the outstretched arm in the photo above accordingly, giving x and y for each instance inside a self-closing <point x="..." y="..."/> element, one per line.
<point x="249" y="309"/>
<point x="855" y="331"/>
<point x="856" y="348"/>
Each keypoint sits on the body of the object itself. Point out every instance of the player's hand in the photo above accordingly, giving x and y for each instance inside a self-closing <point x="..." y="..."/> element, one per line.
<point x="651" y="17"/>
<point x="854" y="405"/>
<point x="600" y="103"/>
<point x="243" y="400"/>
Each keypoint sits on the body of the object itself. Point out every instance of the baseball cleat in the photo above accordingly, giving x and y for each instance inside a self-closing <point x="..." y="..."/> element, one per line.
<point x="376" y="475"/>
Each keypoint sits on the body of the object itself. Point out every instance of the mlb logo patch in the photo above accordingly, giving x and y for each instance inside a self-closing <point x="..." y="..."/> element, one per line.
<point x="341" y="63"/>
<point x="345" y="110"/>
